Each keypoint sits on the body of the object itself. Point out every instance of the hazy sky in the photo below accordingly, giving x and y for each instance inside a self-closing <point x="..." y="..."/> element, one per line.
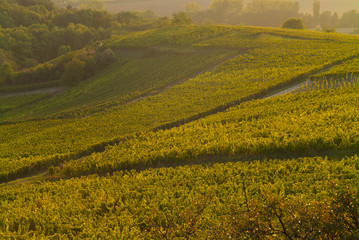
<point x="339" y="6"/>
<point x="167" y="7"/>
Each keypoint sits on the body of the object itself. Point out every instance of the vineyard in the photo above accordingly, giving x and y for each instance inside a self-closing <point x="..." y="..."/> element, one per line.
<point x="187" y="143"/>
<point x="9" y="103"/>
<point x="307" y="197"/>
<point x="308" y="123"/>
<point x="129" y="78"/>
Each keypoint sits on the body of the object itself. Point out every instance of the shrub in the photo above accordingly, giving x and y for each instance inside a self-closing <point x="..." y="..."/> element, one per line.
<point x="6" y="72"/>
<point x="293" y="23"/>
<point x="329" y="29"/>
<point x="74" y="72"/>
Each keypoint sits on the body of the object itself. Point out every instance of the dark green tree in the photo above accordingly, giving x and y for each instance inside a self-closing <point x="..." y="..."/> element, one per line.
<point x="105" y="58"/>
<point x="63" y="49"/>
<point x="181" y="18"/>
<point x="74" y="72"/>
<point x="324" y="18"/>
<point x="6" y="71"/>
<point x="47" y="3"/>
<point x="293" y="23"/>
<point x="316" y="9"/>
<point x="225" y="8"/>
<point x="269" y="12"/>
<point x="350" y="19"/>
<point x="192" y="7"/>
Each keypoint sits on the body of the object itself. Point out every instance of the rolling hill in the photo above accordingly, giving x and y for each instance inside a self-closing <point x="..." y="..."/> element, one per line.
<point x="189" y="134"/>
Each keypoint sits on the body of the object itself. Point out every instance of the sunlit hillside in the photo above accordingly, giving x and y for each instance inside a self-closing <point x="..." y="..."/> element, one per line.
<point x="135" y="126"/>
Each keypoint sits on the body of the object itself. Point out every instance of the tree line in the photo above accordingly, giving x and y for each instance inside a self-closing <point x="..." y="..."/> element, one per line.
<point x="33" y="32"/>
<point x="267" y="13"/>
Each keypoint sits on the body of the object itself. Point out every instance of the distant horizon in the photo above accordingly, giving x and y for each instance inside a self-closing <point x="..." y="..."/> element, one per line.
<point x="178" y="5"/>
<point x="329" y="5"/>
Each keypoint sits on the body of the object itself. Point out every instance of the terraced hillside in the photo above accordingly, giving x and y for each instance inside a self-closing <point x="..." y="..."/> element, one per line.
<point x="182" y="96"/>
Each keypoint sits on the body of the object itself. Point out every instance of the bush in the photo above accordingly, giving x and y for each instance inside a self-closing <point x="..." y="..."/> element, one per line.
<point x="328" y="29"/>
<point x="105" y="58"/>
<point x="63" y="50"/>
<point x="74" y="72"/>
<point x="41" y="73"/>
<point x="6" y="72"/>
<point x="293" y="23"/>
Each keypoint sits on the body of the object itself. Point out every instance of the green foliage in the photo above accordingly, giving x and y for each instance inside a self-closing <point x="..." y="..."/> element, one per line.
<point x="175" y="36"/>
<point x="192" y="7"/>
<point x="149" y="14"/>
<point x="294" y="23"/>
<point x="30" y="62"/>
<point x="133" y="21"/>
<point x="13" y="15"/>
<point x="128" y="79"/>
<point x="269" y="12"/>
<point x="181" y="18"/>
<point x="5" y="89"/>
<point x="350" y="19"/>
<point x="74" y="72"/>
<point x="63" y="50"/>
<point x="47" y="3"/>
<point x="57" y="31"/>
<point x="54" y="69"/>
<point x="136" y="21"/>
<point x="6" y="72"/>
<point x="12" y="102"/>
<point x="41" y="73"/>
<point x="327" y="29"/>
<point x="87" y="17"/>
<point x="225" y="8"/>
<point x="307" y="197"/>
<point x="51" y="171"/>
<point x="273" y="59"/>
<point x="204" y="119"/>
<point x="105" y="58"/>
<point x="348" y="69"/>
<point x="316" y="9"/>
<point x="40" y="43"/>
<point x="254" y="128"/>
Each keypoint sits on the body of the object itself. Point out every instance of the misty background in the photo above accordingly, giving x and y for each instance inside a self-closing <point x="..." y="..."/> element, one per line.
<point x="168" y="7"/>
<point x="328" y="15"/>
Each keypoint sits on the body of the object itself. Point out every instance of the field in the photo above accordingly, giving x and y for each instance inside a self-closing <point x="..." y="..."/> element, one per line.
<point x="183" y="137"/>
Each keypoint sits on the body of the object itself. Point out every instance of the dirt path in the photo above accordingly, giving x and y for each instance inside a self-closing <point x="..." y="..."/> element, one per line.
<point x="38" y="91"/>
<point x="290" y="89"/>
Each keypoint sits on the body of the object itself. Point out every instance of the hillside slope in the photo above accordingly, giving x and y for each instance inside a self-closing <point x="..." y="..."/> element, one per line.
<point x="156" y="124"/>
<point x="275" y="58"/>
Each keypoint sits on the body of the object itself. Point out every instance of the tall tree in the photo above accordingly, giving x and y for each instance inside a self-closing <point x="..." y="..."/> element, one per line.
<point x="181" y="18"/>
<point x="74" y="72"/>
<point x="324" y="18"/>
<point x="269" y="12"/>
<point x="334" y="20"/>
<point x="192" y="7"/>
<point x="350" y="19"/>
<point x="316" y="9"/>
<point x="5" y="72"/>
<point x="223" y="9"/>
